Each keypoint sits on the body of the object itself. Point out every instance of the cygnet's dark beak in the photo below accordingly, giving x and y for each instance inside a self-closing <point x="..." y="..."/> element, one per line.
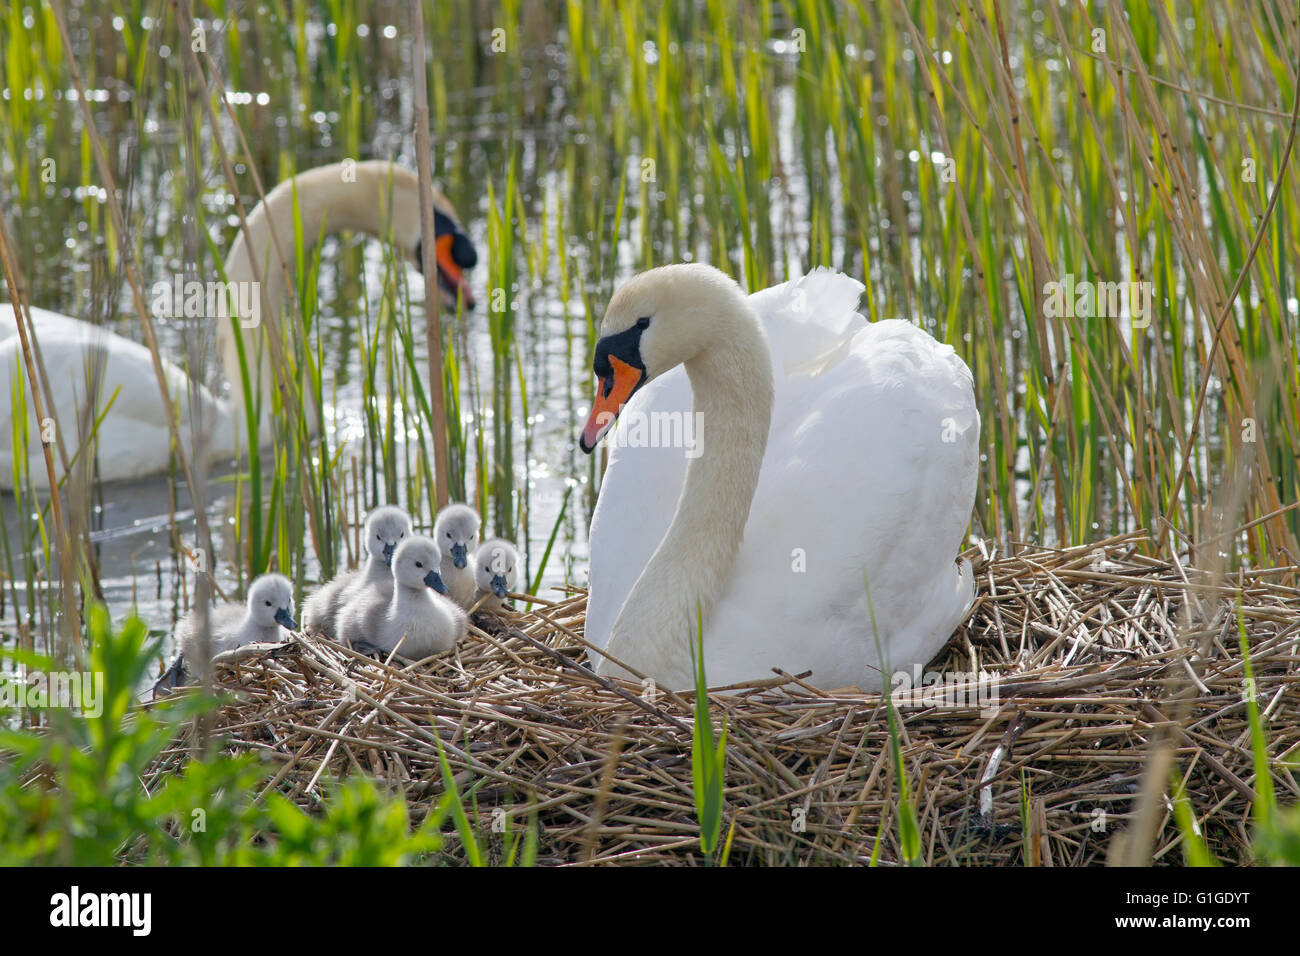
<point x="434" y="580"/>
<point x="285" y="619"/>
<point x="459" y="554"/>
<point x="388" y="554"/>
<point x="499" y="585"/>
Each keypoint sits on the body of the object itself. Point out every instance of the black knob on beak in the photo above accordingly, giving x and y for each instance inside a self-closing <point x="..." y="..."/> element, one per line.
<point x="463" y="252"/>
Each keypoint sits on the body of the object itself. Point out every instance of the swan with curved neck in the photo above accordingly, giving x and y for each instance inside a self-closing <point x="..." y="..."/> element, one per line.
<point x="376" y="197"/>
<point x="823" y="472"/>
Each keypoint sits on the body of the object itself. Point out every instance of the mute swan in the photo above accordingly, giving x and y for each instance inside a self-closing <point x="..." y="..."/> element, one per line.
<point x="429" y="622"/>
<point x="384" y="530"/>
<point x="496" y="572"/>
<point x="375" y="197"/>
<point x="258" y="621"/>
<point x="828" y="457"/>
<point x="456" y="532"/>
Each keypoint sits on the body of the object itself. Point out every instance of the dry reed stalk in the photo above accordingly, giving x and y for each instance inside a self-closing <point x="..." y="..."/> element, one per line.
<point x="129" y="265"/>
<point x="70" y="618"/>
<point x="433" y="325"/>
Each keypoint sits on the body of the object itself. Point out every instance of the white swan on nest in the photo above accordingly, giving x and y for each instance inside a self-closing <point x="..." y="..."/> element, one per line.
<point x="375" y="197"/>
<point x="832" y="457"/>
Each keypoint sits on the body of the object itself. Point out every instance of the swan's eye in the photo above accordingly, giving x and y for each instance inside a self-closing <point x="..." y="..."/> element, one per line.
<point x="643" y="322"/>
<point x="449" y="534"/>
<point x="268" y="603"/>
<point x="419" y="564"/>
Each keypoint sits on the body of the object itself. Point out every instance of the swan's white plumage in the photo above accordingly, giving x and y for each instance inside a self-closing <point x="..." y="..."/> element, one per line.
<point x="135" y="424"/>
<point x="857" y="478"/>
<point x="374" y="196"/>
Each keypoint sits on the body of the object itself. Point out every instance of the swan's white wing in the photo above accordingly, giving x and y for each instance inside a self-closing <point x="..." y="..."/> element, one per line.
<point x="810" y="321"/>
<point x="868" y="483"/>
<point x="134" y="439"/>
<point x="869" y="476"/>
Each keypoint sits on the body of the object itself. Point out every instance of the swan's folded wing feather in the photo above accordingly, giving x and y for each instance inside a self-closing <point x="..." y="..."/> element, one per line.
<point x="810" y="321"/>
<point x="860" y="490"/>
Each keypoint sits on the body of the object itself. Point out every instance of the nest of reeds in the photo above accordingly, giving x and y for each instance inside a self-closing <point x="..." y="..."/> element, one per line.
<point x="1096" y="661"/>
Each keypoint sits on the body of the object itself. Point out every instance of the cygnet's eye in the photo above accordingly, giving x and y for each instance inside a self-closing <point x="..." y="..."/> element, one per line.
<point x="643" y="322"/>
<point x="448" y="534"/>
<point x="268" y="603"/>
<point x="419" y="564"/>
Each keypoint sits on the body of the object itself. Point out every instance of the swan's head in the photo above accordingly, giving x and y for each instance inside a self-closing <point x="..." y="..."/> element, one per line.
<point x="415" y="565"/>
<point x="453" y="254"/>
<point x="270" y="601"/>
<point x="654" y="322"/>
<point x="386" y="528"/>
<point x="496" y="567"/>
<point x="456" y="531"/>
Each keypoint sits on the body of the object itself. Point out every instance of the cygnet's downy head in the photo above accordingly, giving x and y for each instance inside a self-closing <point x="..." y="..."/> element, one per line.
<point x="270" y="601"/>
<point x="415" y="564"/>
<point x="496" y="567"/>
<point x="386" y="528"/>
<point x="456" y="531"/>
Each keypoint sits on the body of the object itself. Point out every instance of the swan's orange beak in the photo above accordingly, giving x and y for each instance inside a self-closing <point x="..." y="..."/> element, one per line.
<point x="611" y="395"/>
<point x="449" y="271"/>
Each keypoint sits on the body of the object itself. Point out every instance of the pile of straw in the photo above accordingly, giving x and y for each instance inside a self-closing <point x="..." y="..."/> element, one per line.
<point x="1107" y="663"/>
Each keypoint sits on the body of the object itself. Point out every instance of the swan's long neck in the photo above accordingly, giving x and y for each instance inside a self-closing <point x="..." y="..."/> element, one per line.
<point x="732" y="385"/>
<point x="374" y="197"/>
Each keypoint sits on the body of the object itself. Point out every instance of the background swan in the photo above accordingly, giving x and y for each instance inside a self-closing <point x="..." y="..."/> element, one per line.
<point x="133" y="439"/>
<point x="385" y="528"/>
<point x="833" y="452"/>
<point x="375" y="197"/>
